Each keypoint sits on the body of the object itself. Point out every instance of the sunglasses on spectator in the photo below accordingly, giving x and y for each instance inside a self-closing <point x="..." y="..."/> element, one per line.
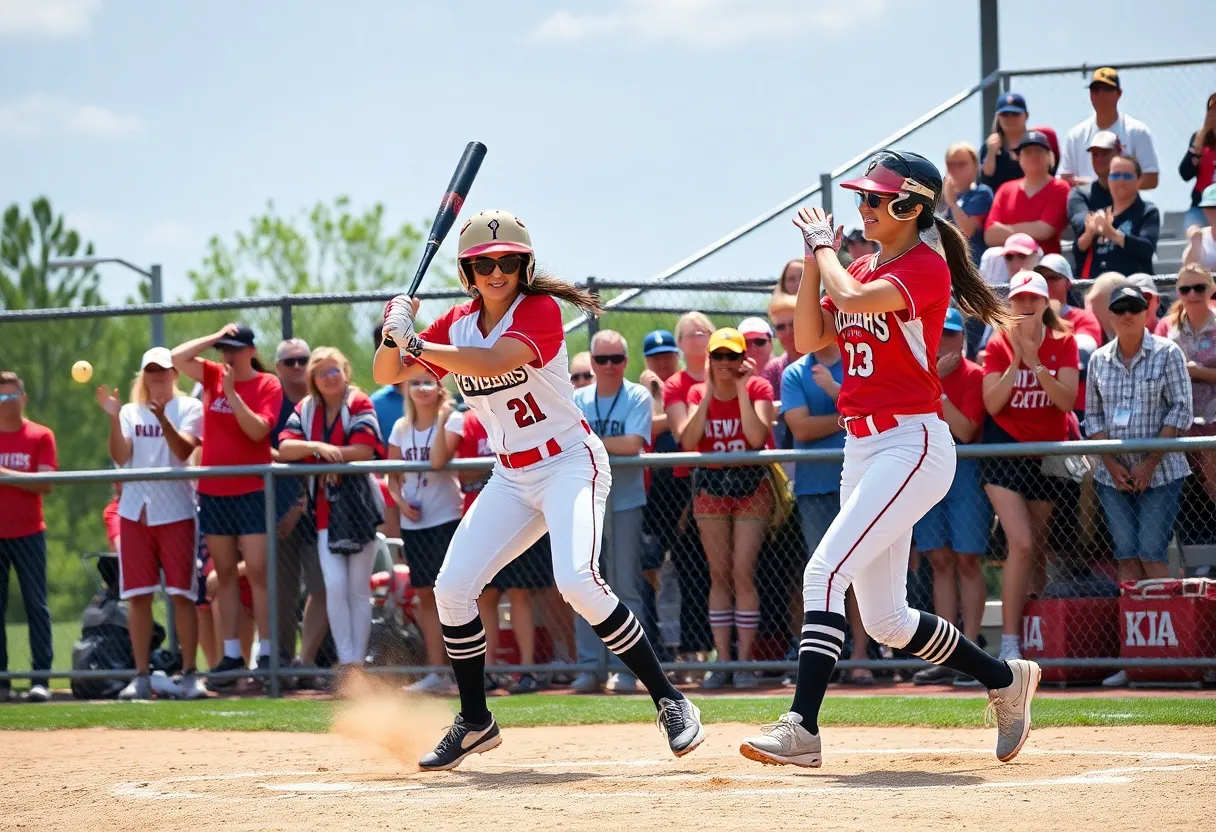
<point x="507" y="264"/>
<point x="9" y="397"/>
<point x="870" y="198"/>
<point x="328" y="374"/>
<point x="423" y="384"/>
<point x="155" y="369"/>
<point x="1128" y="310"/>
<point x="758" y="342"/>
<point x="1121" y="176"/>
<point x="294" y="361"/>
<point x="1015" y="256"/>
<point x="722" y="355"/>
<point x="614" y="359"/>
<point x="580" y="377"/>
<point x="1197" y="288"/>
<point x="782" y="327"/>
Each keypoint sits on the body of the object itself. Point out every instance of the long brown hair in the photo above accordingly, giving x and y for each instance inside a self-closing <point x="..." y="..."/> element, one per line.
<point x="974" y="296"/>
<point x="1210" y="139"/>
<point x="1174" y="316"/>
<point x="547" y="284"/>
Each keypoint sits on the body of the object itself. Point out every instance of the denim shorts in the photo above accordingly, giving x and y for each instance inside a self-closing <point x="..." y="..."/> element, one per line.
<point x="963" y="518"/>
<point x="232" y="516"/>
<point x="816" y="511"/>
<point x="1141" y="525"/>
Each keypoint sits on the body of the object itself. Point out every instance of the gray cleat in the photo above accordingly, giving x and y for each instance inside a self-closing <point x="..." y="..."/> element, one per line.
<point x="1011" y="706"/>
<point x="680" y="721"/>
<point x="785" y="743"/>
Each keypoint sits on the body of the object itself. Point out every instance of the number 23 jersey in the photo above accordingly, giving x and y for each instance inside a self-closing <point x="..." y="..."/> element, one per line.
<point x="890" y="358"/>
<point x="528" y="406"/>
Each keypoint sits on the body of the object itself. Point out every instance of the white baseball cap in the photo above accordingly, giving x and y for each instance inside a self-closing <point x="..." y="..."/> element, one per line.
<point x="1028" y="282"/>
<point x="158" y="357"/>
<point x="1144" y="282"/>
<point x="1055" y="263"/>
<point x="755" y="326"/>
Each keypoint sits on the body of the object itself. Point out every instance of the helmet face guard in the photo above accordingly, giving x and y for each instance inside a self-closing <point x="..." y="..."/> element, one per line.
<point x="889" y="172"/>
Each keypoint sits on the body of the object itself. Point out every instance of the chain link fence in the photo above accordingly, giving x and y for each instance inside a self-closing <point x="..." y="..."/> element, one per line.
<point x="717" y="582"/>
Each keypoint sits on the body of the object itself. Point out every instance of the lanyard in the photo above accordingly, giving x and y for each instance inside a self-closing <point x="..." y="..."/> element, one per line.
<point x="611" y="407"/>
<point x="420" y="478"/>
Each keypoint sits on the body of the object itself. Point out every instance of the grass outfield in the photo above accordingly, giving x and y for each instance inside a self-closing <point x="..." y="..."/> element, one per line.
<point x="313" y="716"/>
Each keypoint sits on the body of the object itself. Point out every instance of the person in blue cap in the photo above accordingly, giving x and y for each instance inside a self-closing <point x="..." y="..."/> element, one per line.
<point x="998" y="161"/>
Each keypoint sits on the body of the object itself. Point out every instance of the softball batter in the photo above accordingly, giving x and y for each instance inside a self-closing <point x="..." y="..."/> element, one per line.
<point x="886" y="312"/>
<point x="507" y="352"/>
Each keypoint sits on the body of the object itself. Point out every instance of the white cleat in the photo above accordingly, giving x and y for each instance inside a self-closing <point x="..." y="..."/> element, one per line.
<point x="1011" y="706"/>
<point x="785" y="743"/>
<point x="679" y="720"/>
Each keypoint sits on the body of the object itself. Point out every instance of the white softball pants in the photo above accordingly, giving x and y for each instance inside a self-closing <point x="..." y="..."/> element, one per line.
<point x="566" y="494"/>
<point x="890" y="480"/>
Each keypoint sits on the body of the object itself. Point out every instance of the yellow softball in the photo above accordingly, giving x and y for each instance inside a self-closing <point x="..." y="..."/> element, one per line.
<point x="82" y="371"/>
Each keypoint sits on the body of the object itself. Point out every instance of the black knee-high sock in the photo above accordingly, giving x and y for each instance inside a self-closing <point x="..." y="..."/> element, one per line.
<point x="937" y="640"/>
<point x="622" y="632"/>
<point x="818" y="652"/>
<point x="466" y="647"/>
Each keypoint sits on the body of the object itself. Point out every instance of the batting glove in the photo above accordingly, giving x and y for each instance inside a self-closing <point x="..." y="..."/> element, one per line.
<point x="818" y="234"/>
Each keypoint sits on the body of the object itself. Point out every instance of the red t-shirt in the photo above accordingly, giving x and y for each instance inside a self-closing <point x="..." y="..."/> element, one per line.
<point x="724" y="423"/>
<point x="1030" y="415"/>
<point x="29" y="449"/>
<point x="890" y="358"/>
<point x="361" y="433"/>
<point x="109" y="516"/>
<point x="1011" y="206"/>
<point x="224" y="443"/>
<point x="675" y="391"/>
<point x="965" y="390"/>
<point x="1083" y="322"/>
<point x="473" y="444"/>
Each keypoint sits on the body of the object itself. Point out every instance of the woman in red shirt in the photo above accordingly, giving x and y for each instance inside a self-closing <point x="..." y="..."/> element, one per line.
<point x="240" y="407"/>
<point x="1031" y="373"/>
<point x="1036" y="204"/>
<point x="341" y="427"/>
<point x="732" y="411"/>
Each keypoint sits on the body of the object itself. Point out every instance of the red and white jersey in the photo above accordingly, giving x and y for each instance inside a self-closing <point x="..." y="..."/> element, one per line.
<point x="526" y="407"/>
<point x="890" y="358"/>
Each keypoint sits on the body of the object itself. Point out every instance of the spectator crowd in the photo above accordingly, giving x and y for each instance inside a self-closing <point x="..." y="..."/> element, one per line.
<point x="729" y="542"/>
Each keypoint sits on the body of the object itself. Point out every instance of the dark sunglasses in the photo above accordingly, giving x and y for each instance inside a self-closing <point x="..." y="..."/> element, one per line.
<point x="782" y="327"/>
<point x="294" y="362"/>
<point x="154" y="369"/>
<point x="614" y="359"/>
<point x="870" y="198"/>
<point x="722" y="355"/>
<point x="1121" y="177"/>
<point x="507" y="264"/>
<point x="580" y="377"/>
<point x="1016" y="256"/>
<point x="1128" y="310"/>
<point x="758" y="342"/>
<point x="1197" y="288"/>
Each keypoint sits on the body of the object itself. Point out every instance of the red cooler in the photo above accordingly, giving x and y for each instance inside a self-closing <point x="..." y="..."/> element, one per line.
<point x="1166" y="618"/>
<point x="1071" y="628"/>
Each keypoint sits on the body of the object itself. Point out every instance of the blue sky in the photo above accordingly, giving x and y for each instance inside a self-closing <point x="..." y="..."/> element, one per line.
<point x="626" y="133"/>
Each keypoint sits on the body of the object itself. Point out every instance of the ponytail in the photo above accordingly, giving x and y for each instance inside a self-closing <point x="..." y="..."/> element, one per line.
<point x="545" y="284"/>
<point x="1054" y="322"/>
<point x="975" y="297"/>
<point x="257" y="364"/>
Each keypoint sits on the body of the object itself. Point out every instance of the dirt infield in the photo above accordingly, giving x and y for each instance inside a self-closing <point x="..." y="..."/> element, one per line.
<point x="609" y="777"/>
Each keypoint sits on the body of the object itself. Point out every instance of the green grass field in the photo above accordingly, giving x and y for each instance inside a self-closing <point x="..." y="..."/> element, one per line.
<point x="313" y="716"/>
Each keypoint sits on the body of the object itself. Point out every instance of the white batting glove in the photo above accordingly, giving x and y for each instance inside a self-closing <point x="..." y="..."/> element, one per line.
<point x="399" y="319"/>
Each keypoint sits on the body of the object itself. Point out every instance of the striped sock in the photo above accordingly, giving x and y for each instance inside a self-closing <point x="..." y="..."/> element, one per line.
<point x="721" y="618"/>
<point x="747" y="619"/>
<point x="818" y="652"/>
<point x="466" y="648"/>
<point x="623" y="635"/>
<point x="937" y="640"/>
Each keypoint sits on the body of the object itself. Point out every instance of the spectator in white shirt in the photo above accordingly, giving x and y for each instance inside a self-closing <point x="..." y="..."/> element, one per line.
<point x="158" y="428"/>
<point x="1201" y="240"/>
<point x="1136" y="139"/>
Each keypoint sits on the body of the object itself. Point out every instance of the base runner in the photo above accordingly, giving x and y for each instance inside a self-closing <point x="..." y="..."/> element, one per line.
<point x="886" y="312"/>
<point x="507" y="351"/>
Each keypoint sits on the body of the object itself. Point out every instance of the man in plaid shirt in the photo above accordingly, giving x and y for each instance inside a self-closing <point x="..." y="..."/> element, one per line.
<point x="1138" y="388"/>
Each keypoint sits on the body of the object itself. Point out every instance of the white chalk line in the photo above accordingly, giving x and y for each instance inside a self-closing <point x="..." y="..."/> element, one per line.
<point x="152" y="789"/>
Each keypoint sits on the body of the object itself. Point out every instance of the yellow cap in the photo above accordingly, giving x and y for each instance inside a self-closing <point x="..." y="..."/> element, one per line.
<point x="728" y="339"/>
<point x="1106" y="76"/>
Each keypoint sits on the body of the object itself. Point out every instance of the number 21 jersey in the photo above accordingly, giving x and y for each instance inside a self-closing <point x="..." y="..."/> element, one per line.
<point x="890" y="358"/>
<point x="525" y="407"/>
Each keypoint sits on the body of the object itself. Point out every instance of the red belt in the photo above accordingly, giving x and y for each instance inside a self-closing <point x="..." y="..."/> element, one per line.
<point x="859" y="427"/>
<point x="522" y="459"/>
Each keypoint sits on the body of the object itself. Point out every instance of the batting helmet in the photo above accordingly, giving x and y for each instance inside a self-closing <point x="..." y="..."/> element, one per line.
<point x="492" y="232"/>
<point x="912" y="176"/>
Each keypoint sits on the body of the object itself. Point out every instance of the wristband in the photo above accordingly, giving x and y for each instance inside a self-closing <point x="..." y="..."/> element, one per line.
<point x="388" y="342"/>
<point x="1038" y="367"/>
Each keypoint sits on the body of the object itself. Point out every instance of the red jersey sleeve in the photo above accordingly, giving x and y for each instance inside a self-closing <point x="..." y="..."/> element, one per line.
<point x="928" y="284"/>
<point x="46" y="455"/>
<point x="268" y="399"/>
<point x="971" y="403"/>
<point x="997" y="355"/>
<point x="437" y="333"/>
<point x="1070" y="356"/>
<point x="538" y="323"/>
<point x="673" y="390"/>
<point x="1000" y="204"/>
<point x="1055" y="212"/>
<point x="695" y="394"/>
<point x="211" y="375"/>
<point x="759" y="390"/>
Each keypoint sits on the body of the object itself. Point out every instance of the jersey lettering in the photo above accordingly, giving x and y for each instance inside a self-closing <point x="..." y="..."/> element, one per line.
<point x="723" y="428"/>
<point x="485" y="385"/>
<point x="874" y="323"/>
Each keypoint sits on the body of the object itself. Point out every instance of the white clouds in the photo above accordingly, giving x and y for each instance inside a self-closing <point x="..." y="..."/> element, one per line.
<point x="47" y="18"/>
<point x="41" y="115"/>
<point x="710" y="22"/>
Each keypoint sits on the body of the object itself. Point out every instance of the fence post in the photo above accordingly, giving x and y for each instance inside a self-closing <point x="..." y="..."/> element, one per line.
<point x="272" y="580"/>
<point x="990" y="61"/>
<point x="288" y="325"/>
<point x="593" y="323"/>
<point x="825" y="192"/>
<point x="156" y="294"/>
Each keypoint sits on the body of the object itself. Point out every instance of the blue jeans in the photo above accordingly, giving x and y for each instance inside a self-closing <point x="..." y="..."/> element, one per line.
<point x="1141" y="524"/>
<point x="623" y="541"/>
<point x="816" y="511"/>
<point x="27" y="556"/>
